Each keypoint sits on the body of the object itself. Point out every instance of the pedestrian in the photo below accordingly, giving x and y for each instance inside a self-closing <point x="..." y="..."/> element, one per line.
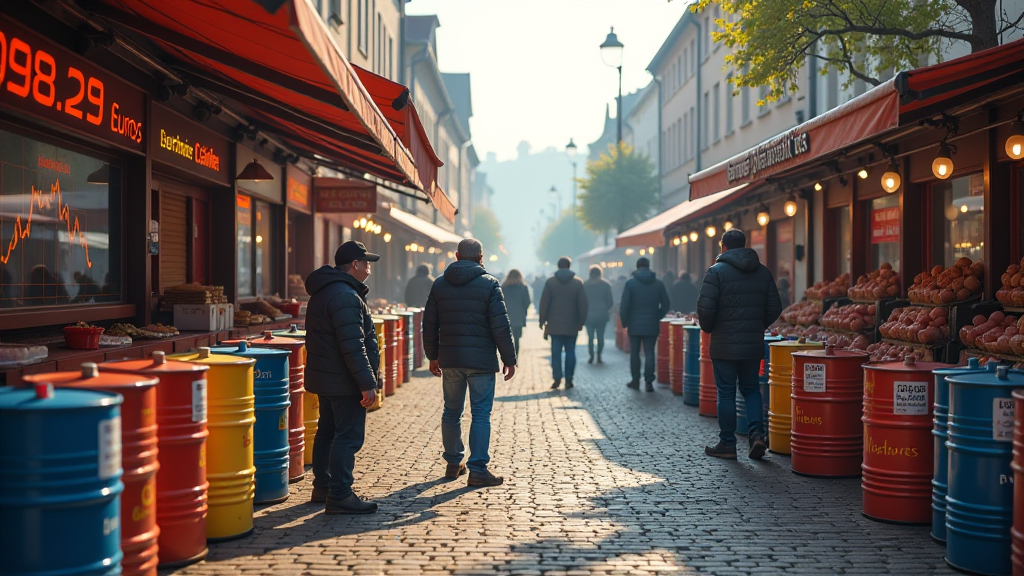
<point x="418" y="288"/>
<point x="783" y="286"/>
<point x="668" y="278"/>
<point x="644" y="303"/>
<point x="538" y="289"/>
<point x="563" y="310"/>
<point x="341" y="369"/>
<point x="738" y="301"/>
<point x="599" y="306"/>
<point x="464" y="323"/>
<point x="684" y="294"/>
<point x="617" y="288"/>
<point x="517" y="300"/>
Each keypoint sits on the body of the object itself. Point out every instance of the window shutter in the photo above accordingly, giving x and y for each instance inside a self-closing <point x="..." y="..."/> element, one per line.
<point x="334" y="12"/>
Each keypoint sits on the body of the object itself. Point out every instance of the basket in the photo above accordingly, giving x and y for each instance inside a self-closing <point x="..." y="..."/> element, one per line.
<point x="82" y="338"/>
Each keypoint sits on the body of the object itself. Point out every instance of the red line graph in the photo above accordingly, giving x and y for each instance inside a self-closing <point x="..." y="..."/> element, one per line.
<point x="39" y="198"/>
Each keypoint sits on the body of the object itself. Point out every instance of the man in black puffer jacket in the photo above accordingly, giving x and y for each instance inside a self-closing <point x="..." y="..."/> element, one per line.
<point x="644" y="303"/>
<point x="341" y="369"/>
<point x="464" y="323"/>
<point x="738" y="301"/>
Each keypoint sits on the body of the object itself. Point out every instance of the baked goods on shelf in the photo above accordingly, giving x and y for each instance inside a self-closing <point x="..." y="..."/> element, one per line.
<point x="882" y="283"/>
<point x="940" y="286"/>
<point x="829" y="289"/>
<point x="191" y="294"/>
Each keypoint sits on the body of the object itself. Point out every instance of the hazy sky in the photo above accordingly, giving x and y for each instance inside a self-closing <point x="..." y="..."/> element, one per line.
<point x="535" y="65"/>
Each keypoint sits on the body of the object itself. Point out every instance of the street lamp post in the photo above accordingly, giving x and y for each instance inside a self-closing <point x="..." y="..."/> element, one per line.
<point x="611" y="54"/>
<point x="570" y="150"/>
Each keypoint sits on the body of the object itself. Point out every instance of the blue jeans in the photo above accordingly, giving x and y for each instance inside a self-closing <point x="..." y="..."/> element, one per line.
<point x="557" y="344"/>
<point x="454" y="382"/>
<point x="648" y="344"/>
<point x="595" y="331"/>
<point x="727" y="373"/>
<point x="517" y="333"/>
<point x="339" y="435"/>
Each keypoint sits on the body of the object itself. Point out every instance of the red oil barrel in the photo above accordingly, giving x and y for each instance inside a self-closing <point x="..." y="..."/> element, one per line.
<point x="139" y="530"/>
<point x="625" y="340"/>
<point x="389" y="370"/>
<point x="827" y="435"/>
<point x="408" y="344"/>
<point x="400" y="350"/>
<point x="618" y="333"/>
<point x="662" y="364"/>
<point x="675" y="356"/>
<point x="898" y="450"/>
<point x="708" y="394"/>
<point x="1017" y="532"/>
<point x="181" y="486"/>
<point x="417" y="320"/>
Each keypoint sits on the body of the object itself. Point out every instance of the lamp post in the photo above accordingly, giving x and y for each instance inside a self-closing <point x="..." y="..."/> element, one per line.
<point x="570" y="151"/>
<point x="611" y="54"/>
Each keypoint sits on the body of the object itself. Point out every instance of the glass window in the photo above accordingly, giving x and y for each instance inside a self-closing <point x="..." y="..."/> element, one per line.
<point x="243" y="242"/>
<point x="264" y="243"/>
<point x="60" y="226"/>
<point x="884" y="232"/>
<point x="256" y="242"/>
<point x="845" y="243"/>
<point x="960" y="218"/>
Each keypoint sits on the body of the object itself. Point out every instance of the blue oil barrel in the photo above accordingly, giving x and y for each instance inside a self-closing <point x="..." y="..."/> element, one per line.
<point x="270" y="433"/>
<point x="940" y="428"/>
<point x="691" y="365"/>
<point x="979" y="504"/>
<point x="60" y="481"/>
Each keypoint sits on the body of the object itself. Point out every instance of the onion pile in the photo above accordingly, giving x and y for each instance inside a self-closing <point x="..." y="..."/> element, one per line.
<point x="886" y="352"/>
<point x="832" y="289"/>
<point x="804" y="313"/>
<point x="882" y="283"/>
<point x="1012" y="292"/>
<point x="852" y="317"/>
<point x="998" y="334"/>
<point x="917" y="325"/>
<point x="937" y="286"/>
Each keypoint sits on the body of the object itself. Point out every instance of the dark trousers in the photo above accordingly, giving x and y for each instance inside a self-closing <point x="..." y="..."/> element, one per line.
<point x="517" y="333"/>
<point x="727" y="374"/>
<point x="648" y="343"/>
<point x="595" y="332"/>
<point x="339" y="435"/>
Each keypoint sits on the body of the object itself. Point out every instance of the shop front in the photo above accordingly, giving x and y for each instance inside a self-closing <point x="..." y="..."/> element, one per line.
<point x="300" y="239"/>
<point x="259" y="225"/>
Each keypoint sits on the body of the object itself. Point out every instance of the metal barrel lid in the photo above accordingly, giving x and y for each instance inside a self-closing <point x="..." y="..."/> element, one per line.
<point x="90" y="376"/>
<point x="909" y="364"/>
<point x="158" y="364"/>
<point x="972" y="366"/>
<point x="1003" y="377"/>
<point x="43" y="396"/>
<point x="205" y="356"/>
<point x="831" y="352"/>
<point x="244" y="349"/>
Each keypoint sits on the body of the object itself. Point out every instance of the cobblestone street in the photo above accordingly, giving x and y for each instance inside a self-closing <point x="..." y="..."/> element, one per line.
<point x="599" y="480"/>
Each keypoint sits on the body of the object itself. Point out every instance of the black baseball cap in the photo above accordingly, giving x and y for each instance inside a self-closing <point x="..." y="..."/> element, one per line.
<point x="351" y="251"/>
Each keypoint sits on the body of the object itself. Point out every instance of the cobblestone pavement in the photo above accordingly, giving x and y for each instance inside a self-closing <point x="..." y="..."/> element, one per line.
<point x="599" y="480"/>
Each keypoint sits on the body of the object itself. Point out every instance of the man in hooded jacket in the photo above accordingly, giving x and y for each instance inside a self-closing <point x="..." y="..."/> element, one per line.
<point x="563" y="308"/>
<point x="464" y="323"/>
<point x="418" y="288"/>
<point x="738" y="301"/>
<point x="684" y="295"/>
<point x="644" y="303"/>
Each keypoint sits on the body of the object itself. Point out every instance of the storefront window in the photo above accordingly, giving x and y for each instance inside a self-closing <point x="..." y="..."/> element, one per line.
<point x="255" y="241"/>
<point x="243" y="242"/>
<point x="782" y="266"/>
<point x="59" y="226"/>
<point x="845" y="243"/>
<point x="884" y="232"/>
<point x="961" y="221"/>
<point x="264" y="250"/>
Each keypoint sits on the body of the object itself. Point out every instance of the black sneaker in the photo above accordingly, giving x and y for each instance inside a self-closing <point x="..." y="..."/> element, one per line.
<point x="634" y="385"/>
<point x="484" y="478"/>
<point x="757" y="447"/>
<point x="558" y="382"/>
<point x="591" y="359"/>
<point x="453" y="471"/>
<point x="568" y="384"/>
<point x="649" y="387"/>
<point x="319" y="496"/>
<point x="721" y="451"/>
<point x="350" y="505"/>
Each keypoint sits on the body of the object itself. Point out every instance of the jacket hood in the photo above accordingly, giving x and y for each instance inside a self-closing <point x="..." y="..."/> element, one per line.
<point x="743" y="258"/>
<point x="463" y="271"/>
<point x="644" y="275"/>
<point x="564" y="275"/>
<point x="326" y="275"/>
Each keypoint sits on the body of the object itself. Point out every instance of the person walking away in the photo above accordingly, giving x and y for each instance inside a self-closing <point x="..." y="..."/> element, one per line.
<point x="341" y="369"/>
<point x="538" y="289"/>
<point x="599" y="306"/>
<point x="684" y="295"/>
<point x="738" y="301"/>
<point x="668" y="278"/>
<point x="783" y="286"/>
<point x="464" y="323"/>
<point x="517" y="300"/>
<point x="418" y="288"/>
<point x="644" y="303"/>
<point x="563" y="310"/>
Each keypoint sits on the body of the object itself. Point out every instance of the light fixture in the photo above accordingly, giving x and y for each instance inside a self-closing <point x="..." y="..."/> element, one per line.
<point x="611" y="50"/>
<point x="570" y="149"/>
<point x="420" y="249"/>
<point x="362" y="223"/>
<point x="629" y="252"/>
<point x="710" y="231"/>
<point x="493" y="258"/>
<point x="891" y="179"/>
<point x="863" y="173"/>
<point x="100" y="176"/>
<point x="762" y="216"/>
<point x="727" y="226"/>
<point x="693" y="236"/>
<point x="387" y="236"/>
<point x="1015" y="141"/>
<point x="255" y="172"/>
<point x="643" y="252"/>
<point x="789" y="207"/>
<point x="259" y="239"/>
<point x="684" y="239"/>
<point x="818" y="187"/>
<point x="963" y="208"/>
<point x="676" y="241"/>
<point x="942" y="166"/>
<point x="355" y="224"/>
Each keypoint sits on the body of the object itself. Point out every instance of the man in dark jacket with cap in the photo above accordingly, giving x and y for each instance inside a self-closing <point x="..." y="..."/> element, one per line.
<point x="563" y="309"/>
<point x="464" y="323"/>
<point x="644" y="303"/>
<point x="738" y="301"/>
<point x="341" y="368"/>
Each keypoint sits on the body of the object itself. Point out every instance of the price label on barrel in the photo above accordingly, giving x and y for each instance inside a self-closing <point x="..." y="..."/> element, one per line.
<point x="199" y="400"/>
<point x="910" y="398"/>
<point x="1002" y="419"/>
<point x="109" y="447"/>
<point x="814" y="377"/>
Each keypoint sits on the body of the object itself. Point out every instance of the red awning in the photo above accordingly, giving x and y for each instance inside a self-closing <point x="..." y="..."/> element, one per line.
<point x="903" y="100"/>
<point x="652" y="231"/>
<point x="287" y="73"/>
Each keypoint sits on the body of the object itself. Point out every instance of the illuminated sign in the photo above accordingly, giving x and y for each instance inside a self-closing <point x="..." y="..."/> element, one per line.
<point x="297" y="188"/>
<point x="773" y="152"/>
<point x="244" y="202"/>
<point x="186" y="145"/>
<point x="50" y="82"/>
<point x="337" y="195"/>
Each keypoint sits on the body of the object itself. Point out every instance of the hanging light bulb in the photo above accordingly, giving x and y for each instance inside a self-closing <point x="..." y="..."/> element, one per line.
<point x="355" y="224"/>
<point x="818" y="187"/>
<point x="684" y="238"/>
<point x="942" y="166"/>
<point x="710" y="231"/>
<point x="762" y="216"/>
<point x="387" y="237"/>
<point x="693" y="236"/>
<point x="727" y="226"/>
<point x="891" y="179"/>
<point x="963" y="208"/>
<point x="790" y="206"/>
<point x="676" y="241"/>
<point x="643" y="252"/>
<point x="863" y="174"/>
<point x="1015" y="142"/>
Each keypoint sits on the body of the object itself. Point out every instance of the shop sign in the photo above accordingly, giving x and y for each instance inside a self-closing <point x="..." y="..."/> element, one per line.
<point x="784" y="232"/>
<point x="885" y="225"/>
<point x="297" y="188"/>
<point x="337" y="195"/>
<point x="45" y="80"/>
<point x="773" y="152"/>
<point x="183" y="144"/>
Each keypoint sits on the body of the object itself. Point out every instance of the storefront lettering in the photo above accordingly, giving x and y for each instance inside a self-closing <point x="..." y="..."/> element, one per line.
<point x="55" y="165"/>
<point x="769" y="154"/>
<point x="202" y="155"/>
<point x="884" y="449"/>
<point x="125" y="126"/>
<point x="885" y="225"/>
<point x="298" y="193"/>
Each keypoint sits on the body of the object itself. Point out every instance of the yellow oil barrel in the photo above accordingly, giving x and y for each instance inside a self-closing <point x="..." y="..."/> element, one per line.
<point x="311" y="417"/>
<point x="378" y="327"/>
<point x="230" y="470"/>
<point x="780" y="385"/>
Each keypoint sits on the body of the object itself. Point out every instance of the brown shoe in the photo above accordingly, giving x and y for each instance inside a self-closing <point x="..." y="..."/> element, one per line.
<point x="484" y="479"/>
<point x="319" y="496"/>
<point x="453" y="471"/>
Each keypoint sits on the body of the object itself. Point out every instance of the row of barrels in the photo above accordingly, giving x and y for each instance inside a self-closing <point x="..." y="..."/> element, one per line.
<point x="130" y="466"/>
